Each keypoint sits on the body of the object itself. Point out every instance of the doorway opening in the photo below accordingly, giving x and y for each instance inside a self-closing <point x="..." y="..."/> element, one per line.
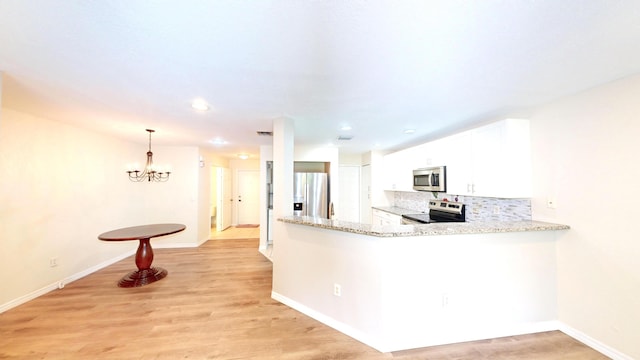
<point x="220" y="200"/>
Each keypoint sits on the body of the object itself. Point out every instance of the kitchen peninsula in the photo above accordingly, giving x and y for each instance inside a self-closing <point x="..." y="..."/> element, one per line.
<point x="405" y="286"/>
<point x="483" y="227"/>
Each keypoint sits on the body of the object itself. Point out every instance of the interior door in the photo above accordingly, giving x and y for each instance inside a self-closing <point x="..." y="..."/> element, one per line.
<point x="248" y="203"/>
<point x="223" y="216"/>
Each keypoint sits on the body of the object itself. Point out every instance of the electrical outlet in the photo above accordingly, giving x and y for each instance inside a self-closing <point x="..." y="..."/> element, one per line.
<point x="496" y="210"/>
<point x="53" y="262"/>
<point x="337" y="290"/>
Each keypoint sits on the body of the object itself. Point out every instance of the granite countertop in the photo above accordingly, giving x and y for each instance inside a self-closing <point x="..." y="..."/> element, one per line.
<point x="426" y="229"/>
<point x="396" y="210"/>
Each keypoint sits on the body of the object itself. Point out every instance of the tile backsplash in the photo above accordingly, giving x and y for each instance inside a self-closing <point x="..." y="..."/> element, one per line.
<point x="477" y="208"/>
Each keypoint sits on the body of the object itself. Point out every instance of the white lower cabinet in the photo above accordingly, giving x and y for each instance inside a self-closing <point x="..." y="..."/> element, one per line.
<point x="380" y="217"/>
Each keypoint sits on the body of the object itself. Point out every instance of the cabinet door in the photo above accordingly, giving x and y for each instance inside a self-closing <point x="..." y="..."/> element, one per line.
<point x="492" y="160"/>
<point x="502" y="159"/>
<point x="391" y="169"/>
<point x="398" y="167"/>
<point x="422" y="156"/>
<point x="376" y="219"/>
<point x="394" y="219"/>
<point x="380" y="217"/>
<point x="487" y="154"/>
<point x="458" y="160"/>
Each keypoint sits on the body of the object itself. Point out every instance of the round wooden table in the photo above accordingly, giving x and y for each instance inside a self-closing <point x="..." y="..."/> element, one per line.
<point x="146" y="274"/>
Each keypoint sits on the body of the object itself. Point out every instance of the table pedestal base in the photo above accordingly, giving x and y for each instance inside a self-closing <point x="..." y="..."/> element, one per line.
<point x="142" y="277"/>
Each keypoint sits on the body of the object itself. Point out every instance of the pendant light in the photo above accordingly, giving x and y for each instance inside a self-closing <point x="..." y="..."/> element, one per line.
<point x="150" y="172"/>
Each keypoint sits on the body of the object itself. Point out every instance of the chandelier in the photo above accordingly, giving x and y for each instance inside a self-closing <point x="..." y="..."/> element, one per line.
<point x="150" y="172"/>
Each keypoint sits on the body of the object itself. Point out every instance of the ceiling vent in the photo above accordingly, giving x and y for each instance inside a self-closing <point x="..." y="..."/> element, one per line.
<point x="265" y="133"/>
<point x="345" y="137"/>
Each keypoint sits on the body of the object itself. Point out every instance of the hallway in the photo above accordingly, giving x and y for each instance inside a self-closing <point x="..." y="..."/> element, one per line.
<point x="236" y="233"/>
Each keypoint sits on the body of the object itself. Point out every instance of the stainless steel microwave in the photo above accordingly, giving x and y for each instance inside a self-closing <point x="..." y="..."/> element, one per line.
<point x="430" y="179"/>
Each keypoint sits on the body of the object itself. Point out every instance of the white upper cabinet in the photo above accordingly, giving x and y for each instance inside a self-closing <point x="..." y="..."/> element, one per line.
<point x="459" y="163"/>
<point x="491" y="161"/>
<point x="398" y="168"/>
<point x="399" y="165"/>
<point x="429" y="154"/>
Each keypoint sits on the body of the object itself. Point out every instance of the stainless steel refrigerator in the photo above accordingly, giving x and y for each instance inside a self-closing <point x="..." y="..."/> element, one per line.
<point x="311" y="194"/>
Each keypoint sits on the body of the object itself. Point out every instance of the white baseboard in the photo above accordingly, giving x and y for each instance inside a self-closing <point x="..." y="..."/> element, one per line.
<point x="514" y="331"/>
<point x="343" y="328"/>
<point x="593" y="343"/>
<point x="384" y="347"/>
<point x="62" y="282"/>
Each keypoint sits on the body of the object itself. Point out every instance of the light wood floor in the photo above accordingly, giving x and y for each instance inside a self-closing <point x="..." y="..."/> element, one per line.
<point x="235" y="233"/>
<point x="214" y="304"/>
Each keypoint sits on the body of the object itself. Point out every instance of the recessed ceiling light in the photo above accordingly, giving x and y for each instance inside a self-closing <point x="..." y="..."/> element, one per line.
<point x="218" y="141"/>
<point x="345" y="127"/>
<point x="243" y="156"/>
<point x="410" y="131"/>
<point x="200" y="105"/>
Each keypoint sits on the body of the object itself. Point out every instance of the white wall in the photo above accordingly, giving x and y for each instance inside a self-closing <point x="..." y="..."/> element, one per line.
<point x="211" y="162"/>
<point x="1" y="81"/>
<point x="585" y="155"/>
<point x="266" y="154"/>
<point x="176" y="200"/>
<point x="393" y="287"/>
<point x="350" y="159"/>
<point x="61" y="186"/>
<point x="203" y="197"/>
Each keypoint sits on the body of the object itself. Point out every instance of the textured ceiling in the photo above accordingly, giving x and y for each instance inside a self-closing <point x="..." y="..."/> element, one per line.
<point x="380" y="66"/>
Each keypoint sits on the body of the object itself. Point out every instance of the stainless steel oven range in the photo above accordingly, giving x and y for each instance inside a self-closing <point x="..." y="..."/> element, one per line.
<point x="439" y="211"/>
